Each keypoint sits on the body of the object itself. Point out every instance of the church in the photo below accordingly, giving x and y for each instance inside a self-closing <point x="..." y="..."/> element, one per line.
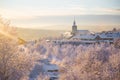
<point x="78" y="32"/>
<point x="88" y="37"/>
<point x="75" y="32"/>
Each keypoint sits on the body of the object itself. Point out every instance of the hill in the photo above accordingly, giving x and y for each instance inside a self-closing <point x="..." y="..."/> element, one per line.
<point x="32" y="34"/>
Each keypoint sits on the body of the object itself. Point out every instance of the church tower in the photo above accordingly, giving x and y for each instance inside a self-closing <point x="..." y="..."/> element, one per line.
<point x="74" y="28"/>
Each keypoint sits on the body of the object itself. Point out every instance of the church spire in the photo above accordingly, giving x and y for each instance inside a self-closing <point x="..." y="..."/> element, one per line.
<point x="74" y="23"/>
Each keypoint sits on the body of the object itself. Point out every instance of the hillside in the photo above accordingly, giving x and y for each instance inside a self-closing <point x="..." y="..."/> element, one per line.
<point x="32" y="34"/>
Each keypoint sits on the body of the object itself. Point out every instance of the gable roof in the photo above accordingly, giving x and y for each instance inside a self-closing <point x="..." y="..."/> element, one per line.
<point x="82" y="32"/>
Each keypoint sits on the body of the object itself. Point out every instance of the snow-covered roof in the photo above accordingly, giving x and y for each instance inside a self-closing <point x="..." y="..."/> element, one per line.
<point x="101" y="35"/>
<point x="47" y="67"/>
<point x="82" y="32"/>
<point x="85" y="36"/>
<point x="110" y="35"/>
<point x="104" y="36"/>
<point x="53" y="75"/>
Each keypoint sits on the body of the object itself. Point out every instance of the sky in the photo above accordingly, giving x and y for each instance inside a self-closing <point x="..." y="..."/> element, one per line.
<point x="59" y="14"/>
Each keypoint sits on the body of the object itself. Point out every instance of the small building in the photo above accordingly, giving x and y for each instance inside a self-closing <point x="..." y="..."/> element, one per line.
<point x="51" y="70"/>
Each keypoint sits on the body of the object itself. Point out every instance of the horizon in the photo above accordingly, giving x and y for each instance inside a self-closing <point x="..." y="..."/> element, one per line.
<point x="92" y="15"/>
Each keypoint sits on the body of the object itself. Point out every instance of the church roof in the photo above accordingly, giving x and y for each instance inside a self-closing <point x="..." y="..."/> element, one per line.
<point x="82" y="31"/>
<point x="85" y="36"/>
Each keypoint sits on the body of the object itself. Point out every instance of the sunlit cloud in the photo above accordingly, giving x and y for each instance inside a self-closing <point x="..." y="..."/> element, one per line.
<point x="18" y="14"/>
<point x="108" y="11"/>
<point x="76" y="10"/>
<point x="15" y="14"/>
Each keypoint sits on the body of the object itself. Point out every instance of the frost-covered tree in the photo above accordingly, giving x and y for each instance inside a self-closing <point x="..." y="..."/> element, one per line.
<point x="83" y="62"/>
<point x="96" y="62"/>
<point x="14" y="63"/>
<point x="117" y="43"/>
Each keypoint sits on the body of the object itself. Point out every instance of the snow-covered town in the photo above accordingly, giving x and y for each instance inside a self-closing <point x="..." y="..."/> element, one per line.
<point x="87" y="37"/>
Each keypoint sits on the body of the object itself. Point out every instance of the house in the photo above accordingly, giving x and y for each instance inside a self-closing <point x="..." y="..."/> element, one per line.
<point x="51" y="70"/>
<point x="98" y="37"/>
